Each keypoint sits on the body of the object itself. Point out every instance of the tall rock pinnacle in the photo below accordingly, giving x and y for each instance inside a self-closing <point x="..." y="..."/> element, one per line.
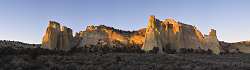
<point x="212" y="42"/>
<point x="152" y="35"/>
<point x="66" y="38"/>
<point x="57" y="37"/>
<point x="52" y="35"/>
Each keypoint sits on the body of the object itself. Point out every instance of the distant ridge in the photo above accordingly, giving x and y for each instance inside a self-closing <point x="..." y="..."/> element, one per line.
<point x="17" y="44"/>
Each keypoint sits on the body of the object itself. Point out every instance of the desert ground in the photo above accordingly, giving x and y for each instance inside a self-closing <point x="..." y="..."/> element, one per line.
<point x="42" y="59"/>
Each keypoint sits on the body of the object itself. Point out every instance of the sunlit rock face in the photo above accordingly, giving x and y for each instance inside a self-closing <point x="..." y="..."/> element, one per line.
<point x="190" y="37"/>
<point x="57" y="37"/>
<point x="153" y="36"/>
<point x="171" y="34"/>
<point x="212" y="42"/>
<point x="92" y="36"/>
<point x="51" y="36"/>
<point x="108" y="36"/>
<point x="165" y="35"/>
<point x="137" y="37"/>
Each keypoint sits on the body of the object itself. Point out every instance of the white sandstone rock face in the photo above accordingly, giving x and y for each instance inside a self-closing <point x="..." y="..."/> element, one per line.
<point x="51" y="36"/>
<point x="66" y="38"/>
<point x="153" y="35"/>
<point x="171" y="34"/>
<point x="96" y="35"/>
<point x="190" y="37"/>
<point x="57" y="37"/>
<point x="167" y="34"/>
<point x="212" y="42"/>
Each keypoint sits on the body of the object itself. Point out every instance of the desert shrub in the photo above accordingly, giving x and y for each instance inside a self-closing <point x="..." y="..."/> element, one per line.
<point x="200" y="51"/>
<point x="186" y="50"/>
<point x="71" y="66"/>
<point x="137" y="49"/>
<point x="155" y="50"/>
<point x="169" y="51"/>
<point x="106" y="49"/>
<point x="209" y="51"/>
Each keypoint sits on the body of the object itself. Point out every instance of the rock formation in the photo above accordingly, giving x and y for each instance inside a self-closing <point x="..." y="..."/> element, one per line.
<point x="108" y="36"/>
<point x="170" y="34"/>
<point x="190" y="37"/>
<point x="212" y="42"/>
<point x="153" y="35"/>
<point x="165" y="35"/>
<point x="66" y="38"/>
<point x="57" y="37"/>
<point x="52" y="35"/>
<point x="237" y="47"/>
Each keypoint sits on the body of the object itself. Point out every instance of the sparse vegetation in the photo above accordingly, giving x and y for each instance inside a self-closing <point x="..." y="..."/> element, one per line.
<point x="106" y="58"/>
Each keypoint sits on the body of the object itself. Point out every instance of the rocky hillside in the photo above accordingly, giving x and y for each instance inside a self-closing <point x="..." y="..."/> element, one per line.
<point x="237" y="47"/>
<point x="16" y="44"/>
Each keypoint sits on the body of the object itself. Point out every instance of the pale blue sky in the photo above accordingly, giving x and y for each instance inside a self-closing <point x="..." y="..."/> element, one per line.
<point x="26" y="20"/>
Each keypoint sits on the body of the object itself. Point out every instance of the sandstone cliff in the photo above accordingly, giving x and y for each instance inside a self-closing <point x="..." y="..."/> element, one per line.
<point x="66" y="38"/>
<point x="164" y="35"/>
<point x="51" y="36"/>
<point x="108" y="36"/>
<point x="57" y="37"/>
<point x="171" y="34"/>
<point x="212" y="42"/>
<point x="153" y="35"/>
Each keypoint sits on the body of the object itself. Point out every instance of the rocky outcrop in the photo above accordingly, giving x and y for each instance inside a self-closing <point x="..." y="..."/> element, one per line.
<point x="168" y="34"/>
<point x="190" y="37"/>
<point x="212" y="42"/>
<point x="57" y="37"/>
<point x="153" y="36"/>
<point x="66" y="38"/>
<point x="171" y="34"/>
<point x="51" y="37"/>
<point x="237" y="47"/>
<point x="108" y="36"/>
<point x="92" y="36"/>
<point x="243" y="46"/>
